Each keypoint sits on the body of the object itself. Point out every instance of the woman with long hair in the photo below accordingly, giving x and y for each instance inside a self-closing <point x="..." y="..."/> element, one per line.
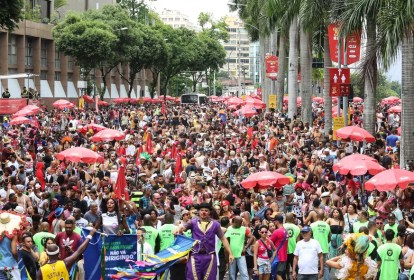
<point x="350" y="218"/>
<point x="261" y="254"/>
<point x="111" y="220"/>
<point x="336" y="223"/>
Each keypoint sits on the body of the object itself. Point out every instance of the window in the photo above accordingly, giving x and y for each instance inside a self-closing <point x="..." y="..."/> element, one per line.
<point x="43" y="75"/>
<point x="57" y="59"/>
<point x="43" y="53"/>
<point x="29" y="52"/>
<point x="177" y="19"/>
<point x="12" y="50"/>
<point x="70" y="77"/>
<point x="57" y="76"/>
<point x="70" y="63"/>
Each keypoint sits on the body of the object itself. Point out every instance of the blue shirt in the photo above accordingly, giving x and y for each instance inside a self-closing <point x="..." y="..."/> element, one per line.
<point x="392" y="139"/>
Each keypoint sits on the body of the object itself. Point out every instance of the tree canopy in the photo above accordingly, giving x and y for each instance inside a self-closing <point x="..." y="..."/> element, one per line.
<point x="10" y="13"/>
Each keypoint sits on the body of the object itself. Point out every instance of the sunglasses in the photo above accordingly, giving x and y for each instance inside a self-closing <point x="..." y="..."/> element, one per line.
<point x="379" y="224"/>
<point x="263" y="232"/>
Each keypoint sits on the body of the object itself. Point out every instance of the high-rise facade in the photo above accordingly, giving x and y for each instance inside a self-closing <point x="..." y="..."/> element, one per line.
<point x="238" y="52"/>
<point x="176" y="19"/>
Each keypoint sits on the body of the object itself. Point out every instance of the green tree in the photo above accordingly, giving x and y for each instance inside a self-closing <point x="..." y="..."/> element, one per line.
<point x="149" y="51"/>
<point x="181" y="44"/>
<point x="10" y="13"/>
<point x="88" y="41"/>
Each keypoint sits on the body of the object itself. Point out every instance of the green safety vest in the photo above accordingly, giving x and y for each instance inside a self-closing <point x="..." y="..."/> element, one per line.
<point x="390" y="260"/>
<point x="38" y="237"/>
<point x="167" y="237"/>
<point x="320" y="231"/>
<point x="237" y="237"/>
<point x="136" y="196"/>
<point x="150" y="236"/>
<point x="393" y="227"/>
<point x="293" y="231"/>
<point x="412" y="272"/>
<point x="357" y="225"/>
<point x="371" y="248"/>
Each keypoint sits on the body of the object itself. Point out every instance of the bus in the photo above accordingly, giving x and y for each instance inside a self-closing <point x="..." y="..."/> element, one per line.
<point x="194" y="98"/>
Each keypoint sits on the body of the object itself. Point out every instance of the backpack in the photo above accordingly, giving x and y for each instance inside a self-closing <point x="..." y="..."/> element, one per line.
<point x="234" y="167"/>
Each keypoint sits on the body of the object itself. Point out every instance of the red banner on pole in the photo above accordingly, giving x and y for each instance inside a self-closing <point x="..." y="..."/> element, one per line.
<point x="353" y="44"/>
<point x="272" y="66"/>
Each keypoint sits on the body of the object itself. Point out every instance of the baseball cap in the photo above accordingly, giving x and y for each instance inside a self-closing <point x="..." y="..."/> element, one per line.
<point x="306" y="229"/>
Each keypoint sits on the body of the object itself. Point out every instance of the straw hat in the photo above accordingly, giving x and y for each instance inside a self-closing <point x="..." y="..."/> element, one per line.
<point x="10" y="224"/>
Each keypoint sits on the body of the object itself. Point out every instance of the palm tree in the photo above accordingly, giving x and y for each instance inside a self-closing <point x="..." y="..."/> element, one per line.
<point x="395" y="33"/>
<point x="355" y="15"/>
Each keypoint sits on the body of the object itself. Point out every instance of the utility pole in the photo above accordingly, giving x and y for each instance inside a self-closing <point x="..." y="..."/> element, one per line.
<point x="238" y="59"/>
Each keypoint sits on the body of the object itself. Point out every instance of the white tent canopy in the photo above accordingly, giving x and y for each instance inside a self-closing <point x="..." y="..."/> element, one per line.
<point x="17" y="76"/>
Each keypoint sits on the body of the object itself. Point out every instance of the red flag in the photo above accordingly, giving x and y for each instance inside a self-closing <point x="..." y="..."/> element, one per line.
<point x="96" y="103"/>
<point x="34" y="122"/>
<point x="149" y="146"/>
<point x="40" y="176"/>
<point x="174" y="150"/>
<point x="140" y="150"/>
<point x="250" y="132"/>
<point x="163" y="108"/>
<point x="178" y="169"/>
<point x="121" y="183"/>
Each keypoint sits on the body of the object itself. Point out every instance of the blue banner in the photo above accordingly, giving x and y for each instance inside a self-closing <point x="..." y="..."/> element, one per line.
<point x="92" y="256"/>
<point x="118" y="249"/>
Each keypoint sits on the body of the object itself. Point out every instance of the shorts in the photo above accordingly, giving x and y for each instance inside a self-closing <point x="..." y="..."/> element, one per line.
<point x="281" y="268"/>
<point x="249" y="262"/>
<point x="264" y="266"/>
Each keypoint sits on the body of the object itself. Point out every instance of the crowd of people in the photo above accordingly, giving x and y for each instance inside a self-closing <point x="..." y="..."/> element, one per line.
<point x="184" y="169"/>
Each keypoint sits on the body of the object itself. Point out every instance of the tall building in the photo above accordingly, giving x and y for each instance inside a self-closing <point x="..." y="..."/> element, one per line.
<point x="176" y="19"/>
<point x="238" y="62"/>
<point x="30" y="49"/>
<point x="255" y="66"/>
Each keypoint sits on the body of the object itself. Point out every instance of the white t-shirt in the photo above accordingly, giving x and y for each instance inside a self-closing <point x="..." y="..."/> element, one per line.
<point x="307" y="253"/>
<point x="144" y="249"/>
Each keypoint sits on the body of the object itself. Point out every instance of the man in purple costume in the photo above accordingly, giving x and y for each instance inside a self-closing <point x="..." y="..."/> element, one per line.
<point x="202" y="261"/>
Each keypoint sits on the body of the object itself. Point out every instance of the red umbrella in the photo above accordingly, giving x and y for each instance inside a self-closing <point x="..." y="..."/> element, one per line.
<point x="355" y="133"/>
<point x="232" y="107"/>
<point x="389" y="179"/>
<point x="318" y="99"/>
<point x="88" y="99"/>
<point x="95" y="127"/>
<point x="108" y="135"/>
<point x="79" y="154"/>
<point x="357" y="165"/>
<point x="27" y="111"/>
<point x="390" y="100"/>
<point x="103" y="103"/>
<point x="121" y="100"/>
<point x="357" y="100"/>
<point x="19" y="120"/>
<point x="235" y="101"/>
<point x="255" y="102"/>
<point x="61" y="104"/>
<point x="335" y="111"/>
<point x="247" y="111"/>
<point x="395" y="109"/>
<point x="265" y="179"/>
